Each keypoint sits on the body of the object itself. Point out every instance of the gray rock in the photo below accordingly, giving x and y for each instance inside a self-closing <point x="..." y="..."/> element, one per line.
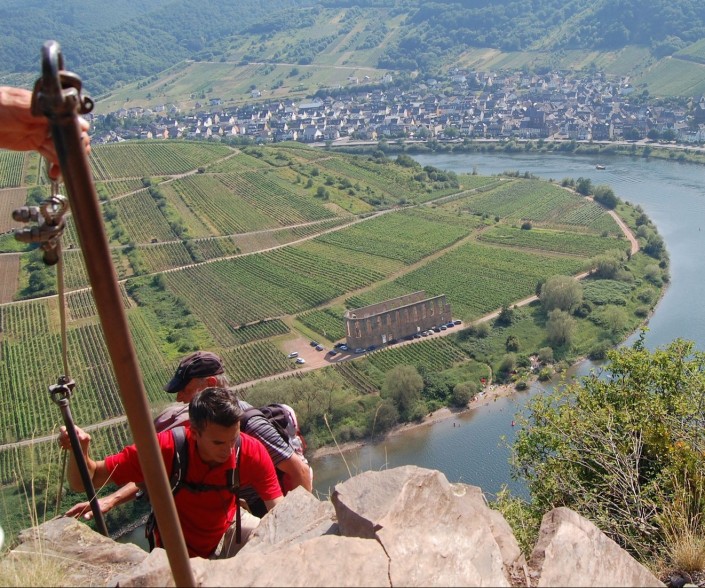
<point x="322" y="561"/>
<point x="435" y="535"/>
<point x="572" y="551"/>
<point x="87" y="556"/>
<point x="298" y="517"/>
<point x="401" y="527"/>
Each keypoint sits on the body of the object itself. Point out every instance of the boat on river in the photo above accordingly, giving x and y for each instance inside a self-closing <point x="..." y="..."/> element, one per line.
<point x="599" y="166"/>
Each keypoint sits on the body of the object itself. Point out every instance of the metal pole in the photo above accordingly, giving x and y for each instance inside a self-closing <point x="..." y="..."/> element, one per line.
<point x="60" y="394"/>
<point x="57" y="96"/>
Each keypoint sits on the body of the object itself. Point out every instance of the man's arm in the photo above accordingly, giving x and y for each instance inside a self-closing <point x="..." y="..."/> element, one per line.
<point x="270" y="504"/>
<point x="97" y="470"/>
<point x="107" y="503"/>
<point x="297" y="472"/>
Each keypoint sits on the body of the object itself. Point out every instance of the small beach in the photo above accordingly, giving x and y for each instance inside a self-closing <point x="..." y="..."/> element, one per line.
<point x="489" y="394"/>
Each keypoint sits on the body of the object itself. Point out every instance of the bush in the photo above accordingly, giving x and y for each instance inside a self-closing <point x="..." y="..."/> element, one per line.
<point x="463" y="393"/>
<point x="545" y="374"/>
<point x="546" y="355"/>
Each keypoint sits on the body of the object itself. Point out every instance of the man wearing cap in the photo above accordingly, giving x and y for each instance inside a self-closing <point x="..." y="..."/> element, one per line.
<point x="206" y="503"/>
<point x="195" y="372"/>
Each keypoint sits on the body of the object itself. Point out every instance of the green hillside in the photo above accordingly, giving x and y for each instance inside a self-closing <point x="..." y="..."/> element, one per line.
<point x="292" y="48"/>
<point x="253" y="252"/>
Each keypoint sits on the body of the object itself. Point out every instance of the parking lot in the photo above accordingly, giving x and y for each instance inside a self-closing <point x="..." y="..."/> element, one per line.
<point x="317" y="355"/>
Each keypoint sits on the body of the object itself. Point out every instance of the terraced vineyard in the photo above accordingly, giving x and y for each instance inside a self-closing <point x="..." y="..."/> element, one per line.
<point x="137" y="159"/>
<point x="476" y="279"/>
<point x="325" y="322"/>
<point x="538" y="201"/>
<point x="113" y="188"/>
<point x="239" y="252"/>
<point x="11" y="168"/>
<point x="163" y="256"/>
<point x="253" y="361"/>
<point x="412" y="239"/>
<point x="428" y="355"/>
<point x="550" y="240"/>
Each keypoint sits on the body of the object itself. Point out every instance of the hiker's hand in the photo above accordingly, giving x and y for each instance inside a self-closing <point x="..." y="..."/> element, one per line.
<point x="65" y="441"/>
<point x="83" y="509"/>
<point x="20" y="130"/>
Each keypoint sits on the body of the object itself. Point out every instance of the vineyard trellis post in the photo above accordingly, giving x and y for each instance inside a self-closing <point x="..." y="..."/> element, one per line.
<point x="57" y="96"/>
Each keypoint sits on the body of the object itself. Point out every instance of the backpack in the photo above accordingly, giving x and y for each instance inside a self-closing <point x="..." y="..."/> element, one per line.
<point x="177" y="481"/>
<point x="283" y="418"/>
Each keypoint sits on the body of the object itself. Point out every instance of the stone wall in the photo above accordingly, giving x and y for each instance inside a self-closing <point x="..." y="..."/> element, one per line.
<point x="406" y="526"/>
<point x="395" y="319"/>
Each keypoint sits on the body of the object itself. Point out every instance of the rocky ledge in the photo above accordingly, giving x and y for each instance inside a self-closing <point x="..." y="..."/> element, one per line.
<point x="406" y="526"/>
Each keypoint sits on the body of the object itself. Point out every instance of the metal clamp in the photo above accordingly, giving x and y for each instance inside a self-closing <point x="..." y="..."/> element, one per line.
<point x="51" y="222"/>
<point x="61" y="391"/>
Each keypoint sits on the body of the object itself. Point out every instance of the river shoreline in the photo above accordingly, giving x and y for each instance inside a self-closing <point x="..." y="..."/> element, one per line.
<point x="490" y="393"/>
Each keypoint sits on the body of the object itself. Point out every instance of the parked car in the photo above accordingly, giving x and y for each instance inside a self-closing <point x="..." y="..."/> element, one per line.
<point x="450" y="325"/>
<point x="442" y="328"/>
<point x="319" y="347"/>
<point x="436" y="329"/>
<point x="343" y="347"/>
<point x="313" y="343"/>
<point x="332" y="353"/>
<point x="359" y="350"/>
<point x="371" y="348"/>
<point x="293" y="354"/>
<point x="457" y="322"/>
<point x="300" y="360"/>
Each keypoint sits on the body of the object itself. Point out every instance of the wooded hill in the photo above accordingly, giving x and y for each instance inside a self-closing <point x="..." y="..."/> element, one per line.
<point x="112" y="44"/>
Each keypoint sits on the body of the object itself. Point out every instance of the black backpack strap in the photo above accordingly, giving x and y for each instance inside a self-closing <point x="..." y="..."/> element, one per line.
<point x="179" y="465"/>
<point x="234" y="483"/>
<point x="247" y="414"/>
<point x="177" y="478"/>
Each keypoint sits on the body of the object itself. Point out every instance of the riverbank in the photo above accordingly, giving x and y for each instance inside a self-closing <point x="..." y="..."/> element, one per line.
<point x="489" y="394"/>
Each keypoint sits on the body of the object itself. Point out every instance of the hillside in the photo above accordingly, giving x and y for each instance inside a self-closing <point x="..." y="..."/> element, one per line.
<point x="253" y="252"/>
<point x="117" y="44"/>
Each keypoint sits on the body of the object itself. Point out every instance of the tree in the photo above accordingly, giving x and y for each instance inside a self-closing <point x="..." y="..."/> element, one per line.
<point x="605" y="196"/>
<point x="546" y="355"/>
<point x="463" y="393"/>
<point x="607" y="267"/>
<point x="559" y="327"/>
<point x="384" y="418"/>
<point x="561" y="292"/>
<point x="615" y="319"/>
<point x="512" y="343"/>
<point x="505" y="317"/>
<point x="584" y="186"/>
<point x="626" y="451"/>
<point x="403" y="385"/>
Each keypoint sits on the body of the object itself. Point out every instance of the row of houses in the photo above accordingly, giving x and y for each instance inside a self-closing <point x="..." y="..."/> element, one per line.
<point x="467" y="104"/>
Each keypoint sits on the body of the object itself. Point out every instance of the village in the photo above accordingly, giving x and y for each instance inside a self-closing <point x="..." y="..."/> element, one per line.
<point x="466" y="106"/>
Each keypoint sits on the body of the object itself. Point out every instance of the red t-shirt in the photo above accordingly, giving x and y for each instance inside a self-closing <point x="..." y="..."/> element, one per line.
<point x="204" y="516"/>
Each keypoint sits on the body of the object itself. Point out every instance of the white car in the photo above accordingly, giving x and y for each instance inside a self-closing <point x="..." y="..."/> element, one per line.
<point x="300" y="360"/>
<point x="293" y="354"/>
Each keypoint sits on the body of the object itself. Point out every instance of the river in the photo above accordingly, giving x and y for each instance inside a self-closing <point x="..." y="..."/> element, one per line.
<point x="473" y="447"/>
<point x="673" y="195"/>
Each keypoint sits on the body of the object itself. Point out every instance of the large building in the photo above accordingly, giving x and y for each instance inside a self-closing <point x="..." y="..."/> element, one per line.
<point x="397" y="318"/>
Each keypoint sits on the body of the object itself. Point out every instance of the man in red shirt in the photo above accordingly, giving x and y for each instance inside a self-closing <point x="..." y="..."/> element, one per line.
<point x="206" y="515"/>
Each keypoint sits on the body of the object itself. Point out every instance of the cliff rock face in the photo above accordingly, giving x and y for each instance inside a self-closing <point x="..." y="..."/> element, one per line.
<point x="406" y="526"/>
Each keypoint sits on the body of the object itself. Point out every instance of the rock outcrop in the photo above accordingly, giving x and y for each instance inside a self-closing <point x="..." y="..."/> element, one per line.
<point x="406" y="526"/>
